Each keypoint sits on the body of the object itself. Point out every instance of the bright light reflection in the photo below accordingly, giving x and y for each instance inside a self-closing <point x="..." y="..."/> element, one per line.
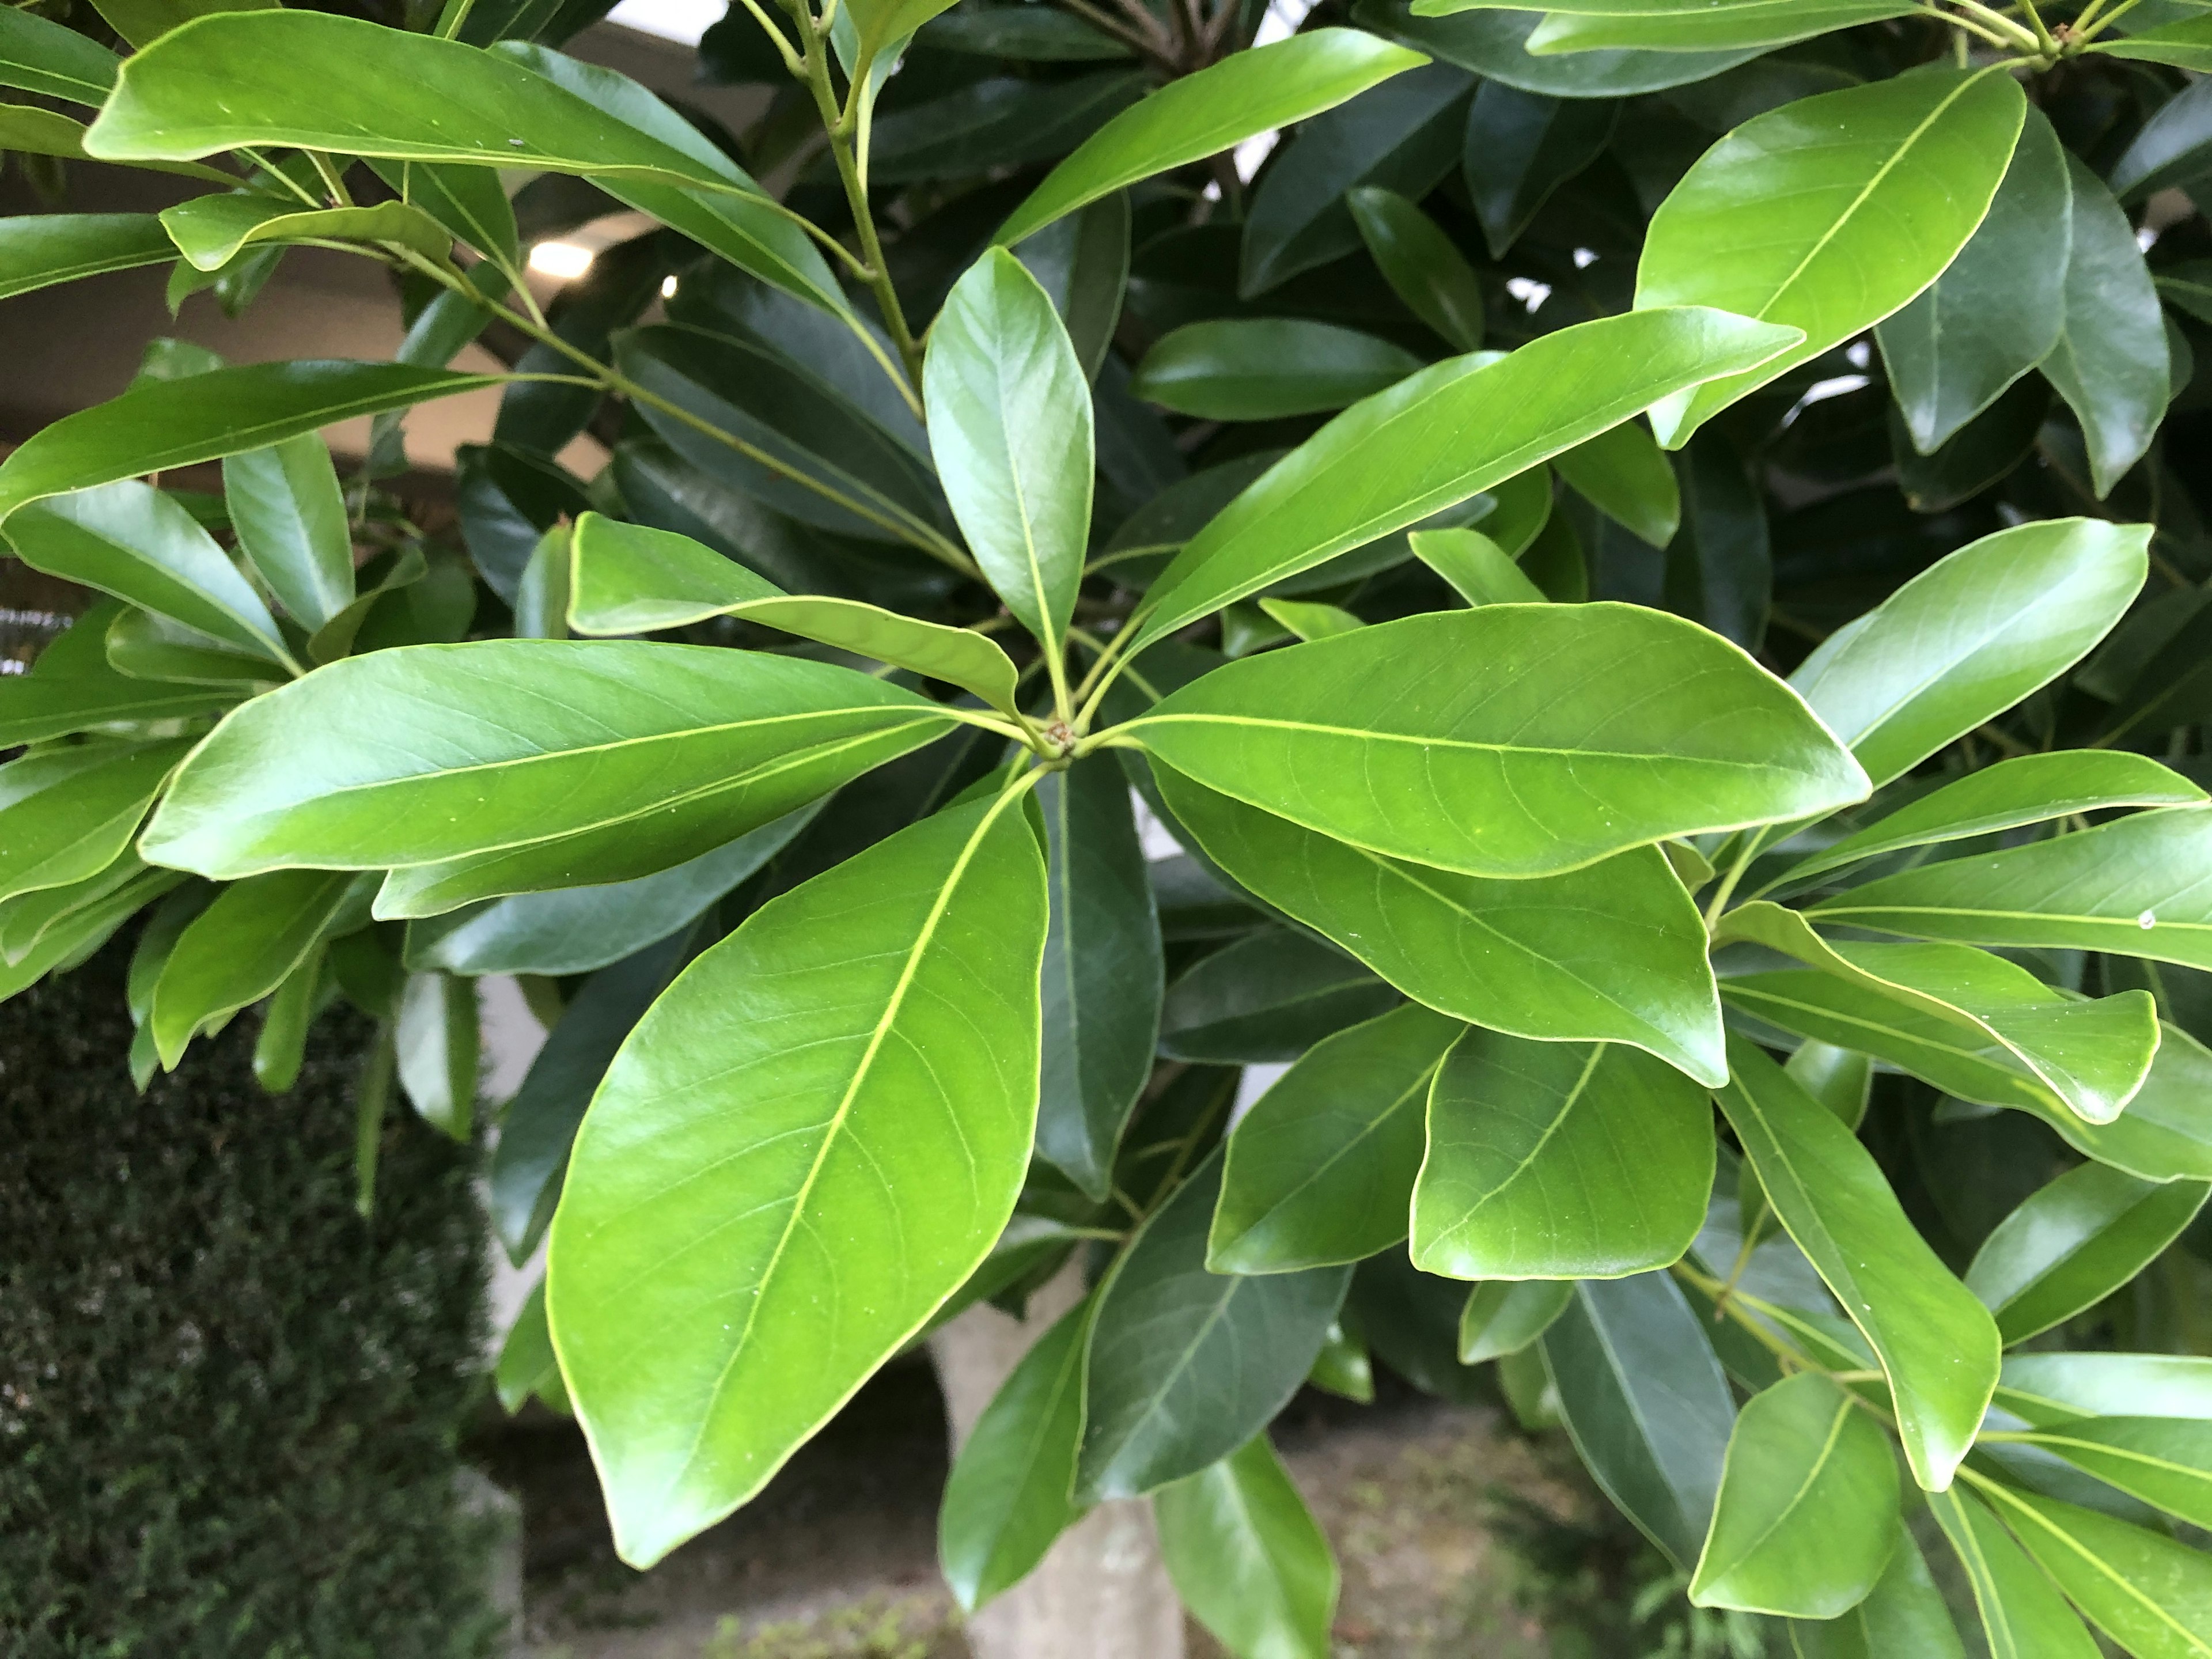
<point x="563" y="261"/>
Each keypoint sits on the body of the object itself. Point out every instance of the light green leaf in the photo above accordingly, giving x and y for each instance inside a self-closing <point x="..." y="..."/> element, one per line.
<point x="1440" y="436"/>
<point x="1264" y="368"/>
<point x="1504" y="1315"/>
<point x="1559" y="1160"/>
<point x="1475" y="567"/>
<point x="2048" y="1388"/>
<point x="1010" y="427"/>
<point x="2162" y="1460"/>
<point x="290" y="516"/>
<point x="1247" y="1556"/>
<point x="1807" y="1518"/>
<point x="1971" y="636"/>
<point x="801" y="1151"/>
<point x="27" y="919"/>
<point x="1382" y="737"/>
<point x="32" y="130"/>
<point x="40" y="55"/>
<point x="1623" y="474"/>
<point x="39" y="250"/>
<point x="240" y="948"/>
<point x="1320" y="1171"/>
<point x="1903" y="1613"/>
<point x="500" y="744"/>
<point x="438" y="1043"/>
<point x="1423" y="265"/>
<point x="2072" y="1243"/>
<point x="2149" y="1592"/>
<point x="68" y="813"/>
<point x="151" y="647"/>
<point x="2110" y="363"/>
<point x="1828" y="215"/>
<point x="1937" y="1345"/>
<point x="1198" y="115"/>
<point x="2166" y="1133"/>
<point x="1309" y="621"/>
<point x="1704" y="26"/>
<point x="2023" y="1615"/>
<point x="630" y="578"/>
<point x="2186" y="44"/>
<point x="211" y="231"/>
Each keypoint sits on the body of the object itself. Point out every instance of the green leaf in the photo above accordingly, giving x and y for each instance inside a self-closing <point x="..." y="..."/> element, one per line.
<point x="27" y="919"/>
<point x="800" y="1151"/>
<point x="1320" y="1171"/>
<point x="2162" y="1460"/>
<point x="290" y="516"/>
<point x="1309" y="621"/>
<point x="1807" y="1517"/>
<point x="1186" y="1365"/>
<point x="211" y="231"/>
<point x="1788" y="222"/>
<point x="1504" y="1315"/>
<point x="1423" y="265"/>
<point x="39" y="250"/>
<point x="1247" y="1556"/>
<point x="1101" y="986"/>
<point x="470" y="203"/>
<point x="39" y="55"/>
<point x="2023" y="1615"/>
<point x="2134" y="887"/>
<point x="1612" y="951"/>
<point x="242" y="947"/>
<point x="31" y="131"/>
<point x="2186" y="44"/>
<point x="1903" y="1613"/>
<point x="1082" y="261"/>
<point x="151" y="647"/>
<point x="2074" y="1242"/>
<point x="527" y="1365"/>
<point x="1623" y="474"/>
<point x="1971" y="636"/>
<point x="1645" y="1404"/>
<point x="1367" y="739"/>
<point x="2111" y="364"/>
<point x="160" y="424"/>
<point x="1270" y="996"/>
<point x="1438" y="437"/>
<point x="1559" y="1160"/>
<point x="2048" y="1388"/>
<point x="630" y="579"/>
<point x="131" y="540"/>
<point x="2025" y="789"/>
<point x="1493" y="44"/>
<point x="501" y="743"/>
<point x="280" y="1047"/>
<point x="1475" y="567"/>
<point x="1007" y="1498"/>
<point x="1995" y="312"/>
<point x="1198" y="115"/>
<point x="1673" y="26"/>
<point x="1937" y="1345"/>
<point x="1522" y="147"/>
<point x="1027" y="32"/>
<point x="1265" y="368"/>
<point x="2168" y="149"/>
<point x="438" y="1043"/>
<point x="2166" y="1133"/>
<point x="2149" y="1592"/>
<point x="68" y="813"/>
<point x="1010" y="427"/>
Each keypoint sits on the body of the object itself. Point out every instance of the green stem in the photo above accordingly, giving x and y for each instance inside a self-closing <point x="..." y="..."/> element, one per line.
<point x="1994" y="25"/>
<point x="450" y="20"/>
<point x="2093" y="22"/>
<point x="2043" y="38"/>
<point x="1726" y="891"/>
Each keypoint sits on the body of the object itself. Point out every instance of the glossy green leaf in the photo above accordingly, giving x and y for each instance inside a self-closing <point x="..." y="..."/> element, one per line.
<point x="1186" y="1365"/>
<point x="1321" y="1169"/>
<point x="2166" y="1133"/>
<point x="1645" y="1403"/>
<point x="1475" y="567"/>
<point x="471" y="203"/>
<point x="1010" y="428"/>
<point x="2047" y="1388"/>
<point x="2149" y="1592"/>
<point x="2163" y="1461"/>
<point x="1101" y="986"/>
<point x="1007" y="1498"/>
<point x="152" y="647"/>
<point x="2167" y="150"/>
<point x="631" y="579"/>
<point x="813" y="1078"/>
<point x="2110" y="363"/>
<point x="1265" y="368"/>
<point x="1438" y="437"/>
<point x="1307" y="621"/>
<point x="2074" y="1242"/>
<point x="1521" y="147"/>
<point x="27" y="919"/>
<point x="1623" y="474"/>
<point x="290" y="516"/>
<point x="40" y="55"/>
<point x="1344" y="1368"/>
<point x="499" y="744"/>
<point x="1971" y="636"/>
<point x="1904" y="1613"/>
<point x="2186" y="44"/>
<point x="1559" y="1160"/>
<point x="39" y="250"/>
<point x="242" y="947"/>
<point x="1083" y="261"/>
<point x="68" y="813"/>
<point x="1673" y="26"/>
<point x="1367" y="739"/>
<point x="1493" y="44"/>
<point x="1995" y="312"/>
<point x="30" y="130"/>
<point x="1270" y="996"/>
<point x="2023" y="790"/>
<point x="1422" y="264"/>
<point x="1504" y="1315"/>
<point x="2023" y="1615"/>
<point x="211" y="231"/>
<point x="1828" y="215"/>
<point x="2133" y="887"/>
<point x="280" y="1047"/>
<point x="1247" y="1556"/>
<point x="160" y="424"/>
<point x="1198" y="115"/>
<point x="1937" y="1345"/>
<point x="526" y="1364"/>
<point x="438" y="1045"/>
<point x="1807" y="1517"/>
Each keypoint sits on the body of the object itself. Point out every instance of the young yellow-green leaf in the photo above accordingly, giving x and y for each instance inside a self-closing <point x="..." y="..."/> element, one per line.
<point x="1196" y="116"/>
<point x="2024" y="789"/>
<point x="1007" y="1498"/>
<point x="1477" y="740"/>
<point x="1309" y="621"/>
<point x="1971" y="636"/>
<point x="1504" y="1315"/>
<point x="1828" y="215"/>
<point x="1010" y="428"/>
<point x="2150" y="1593"/>
<point x="1625" y="475"/>
<point x="240" y="948"/>
<point x="439" y="751"/>
<point x="1320" y="1171"/>
<point x="526" y="1364"/>
<point x="1903" y="1613"/>
<point x="439" y="1042"/>
<point x="1422" y="264"/>
<point x="1475" y="567"/>
<point x="158" y="424"/>
<point x="1559" y="1160"/>
<point x="1937" y="1345"/>
<point x="211" y="231"/>
<point x="39" y="250"/>
<point x="2166" y="1461"/>
<point x="1265" y="368"/>
<point x="1572" y="26"/>
<point x="67" y="813"/>
<point x="290" y="516"/>
<point x="40" y="55"/>
<point x="2112" y="364"/>
<point x="1440" y="436"/>
<point x="2134" y="887"/>
<point x="815" y="1135"/>
<point x="1247" y="1556"/>
<point x="2073" y="1243"/>
<point x="631" y="579"/>
<point x="2023" y="1614"/>
<point x="1807" y="1517"/>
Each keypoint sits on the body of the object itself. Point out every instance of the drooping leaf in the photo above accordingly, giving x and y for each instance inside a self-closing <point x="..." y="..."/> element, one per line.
<point x="212" y="231"/>
<point x="1504" y="1315"/>
<point x="807" y="1150"/>
<point x="2076" y="1241"/>
<point x="39" y="250"/>
<point x="66" y="814"/>
<point x="1422" y="264"/>
<point x="1270" y="996"/>
<point x="40" y="55"/>
<point x="2023" y="1615"/>
<point x="1247" y="1558"/>
<point x="1265" y="368"/>
<point x="2111" y="364"/>
<point x="240" y="948"/>
<point x="439" y="1042"/>
<point x="290" y="516"/>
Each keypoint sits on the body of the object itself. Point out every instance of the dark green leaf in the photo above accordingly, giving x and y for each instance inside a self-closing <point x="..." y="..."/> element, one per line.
<point x="37" y="251"/>
<point x="1521" y="147"/>
<point x="2149" y="1592"/>
<point x="1263" y="368"/>
<point x="1903" y="1613"/>
<point x="290" y="516"/>
<point x="67" y="813"/>
<point x="2076" y="1241"/>
<point x="526" y="1365"/>
<point x="1421" y="263"/>
<point x="242" y="947"/>
<point x="41" y="56"/>
<point x="2111" y="362"/>
<point x="1270" y="996"/>
<point x="1622" y="473"/>
<point x="1247" y="1558"/>
<point x="1720" y="565"/>
<point x="1504" y="1315"/>
<point x="1494" y="45"/>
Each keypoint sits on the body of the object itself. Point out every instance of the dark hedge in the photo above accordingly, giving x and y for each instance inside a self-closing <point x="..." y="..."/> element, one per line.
<point x="228" y="1407"/>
